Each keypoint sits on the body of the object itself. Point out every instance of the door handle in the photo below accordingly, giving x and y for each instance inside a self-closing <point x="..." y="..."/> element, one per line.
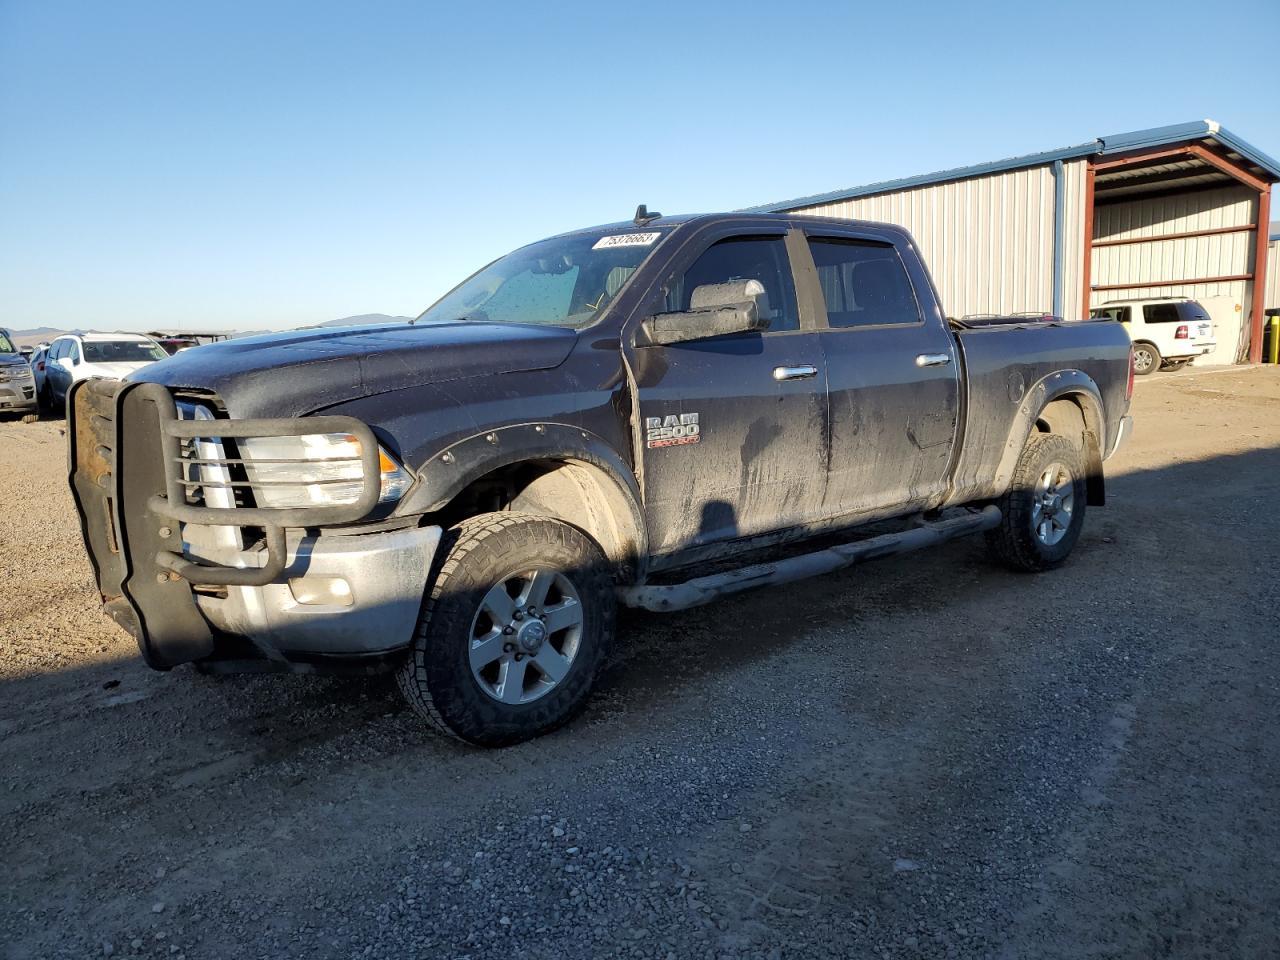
<point x="802" y="372"/>
<point x="932" y="359"/>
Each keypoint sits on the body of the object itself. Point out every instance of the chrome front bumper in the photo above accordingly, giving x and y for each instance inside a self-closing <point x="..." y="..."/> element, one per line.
<point x="384" y="573"/>
<point x="195" y="571"/>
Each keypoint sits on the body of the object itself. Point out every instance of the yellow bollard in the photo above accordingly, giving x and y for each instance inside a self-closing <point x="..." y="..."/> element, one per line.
<point x="1275" y="340"/>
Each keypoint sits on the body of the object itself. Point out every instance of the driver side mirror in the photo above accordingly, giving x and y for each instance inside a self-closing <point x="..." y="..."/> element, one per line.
<point x="715" y="309"/>
<point x="26" y="351"/>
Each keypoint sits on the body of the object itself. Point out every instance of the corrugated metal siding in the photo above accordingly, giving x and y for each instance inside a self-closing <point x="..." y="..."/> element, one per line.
<point x="1272" y="301"/>
<point x="988" y="241"/>
<point x="1225" y="254"/>
<point x="1073" y="240"/>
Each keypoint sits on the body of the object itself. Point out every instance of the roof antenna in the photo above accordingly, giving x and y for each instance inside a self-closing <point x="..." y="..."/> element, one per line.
<point x="644" y="217"/>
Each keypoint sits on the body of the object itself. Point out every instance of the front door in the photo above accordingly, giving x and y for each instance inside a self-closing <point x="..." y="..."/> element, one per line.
<point x="733" y="427"/>
<point x="892" y="375"/>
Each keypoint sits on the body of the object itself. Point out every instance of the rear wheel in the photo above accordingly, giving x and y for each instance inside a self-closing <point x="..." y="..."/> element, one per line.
<point x="1043" y="510"/>
<point x="515" y="629"/>
<point x="1146" y="358"/>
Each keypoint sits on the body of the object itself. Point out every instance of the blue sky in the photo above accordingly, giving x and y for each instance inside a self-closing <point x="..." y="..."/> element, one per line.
<point x="250" y="165"/>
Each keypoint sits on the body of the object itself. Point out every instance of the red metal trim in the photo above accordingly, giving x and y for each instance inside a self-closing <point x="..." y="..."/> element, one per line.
<point x="1087" y="267"/>
<point x="1247" y="228"/>
<point x="1196" y="150"/>
<point x="1229" y="168"/>
<point x="1173" y="283"/>
<point x="1140" y="156"/>
<point x="1260" y="276"/>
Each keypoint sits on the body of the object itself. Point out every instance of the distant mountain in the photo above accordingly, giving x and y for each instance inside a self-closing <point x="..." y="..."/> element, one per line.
<point x="363" y="318"/>
<point x="29" y="338"/>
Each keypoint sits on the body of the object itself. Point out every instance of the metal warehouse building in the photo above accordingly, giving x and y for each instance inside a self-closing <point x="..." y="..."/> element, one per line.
<point x="1181" y="210"/>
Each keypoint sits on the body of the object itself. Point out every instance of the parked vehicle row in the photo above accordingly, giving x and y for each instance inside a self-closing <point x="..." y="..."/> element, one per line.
<point x="44" y="374"/>
<point x="587" y="421"/>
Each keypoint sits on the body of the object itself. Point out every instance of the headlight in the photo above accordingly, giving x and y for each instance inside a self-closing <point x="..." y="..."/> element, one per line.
<point x="315" y="470"/>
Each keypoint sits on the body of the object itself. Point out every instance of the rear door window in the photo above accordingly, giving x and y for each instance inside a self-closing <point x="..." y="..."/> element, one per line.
<point x="864" y="283"/>
<point x="1160" y="313"/>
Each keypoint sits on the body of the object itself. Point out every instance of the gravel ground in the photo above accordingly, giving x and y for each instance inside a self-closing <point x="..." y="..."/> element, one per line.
<point x="927" y="757"/>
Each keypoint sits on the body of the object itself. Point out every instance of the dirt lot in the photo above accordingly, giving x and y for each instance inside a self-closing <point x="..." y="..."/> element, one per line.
<point x="926" y="757"/>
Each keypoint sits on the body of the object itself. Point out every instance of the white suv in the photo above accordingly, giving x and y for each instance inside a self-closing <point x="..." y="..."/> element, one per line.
<point x="80" y="356"/>
<point x="1170" y="331"/>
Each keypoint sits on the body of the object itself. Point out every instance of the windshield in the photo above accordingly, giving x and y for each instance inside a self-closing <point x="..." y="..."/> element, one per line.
<point x="6" y="345"/>
<point x="121" y="351"/>
<point x="564" y="282"/>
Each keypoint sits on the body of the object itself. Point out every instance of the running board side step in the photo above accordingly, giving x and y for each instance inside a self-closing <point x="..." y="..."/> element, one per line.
<point x="693" y="593"/>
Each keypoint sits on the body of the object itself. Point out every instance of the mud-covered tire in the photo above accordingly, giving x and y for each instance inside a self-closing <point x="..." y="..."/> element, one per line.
<point x="1021" y="540"/>
<point x="1146" y="358"/>
<point x="474" y="559"/>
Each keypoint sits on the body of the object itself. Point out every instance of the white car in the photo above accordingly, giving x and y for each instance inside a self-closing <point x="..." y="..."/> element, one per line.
<point x="77" y="357"/>
<point x="1169" y="332"/>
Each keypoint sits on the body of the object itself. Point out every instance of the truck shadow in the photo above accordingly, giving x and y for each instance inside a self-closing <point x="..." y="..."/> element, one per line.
<point x="200" y="730"/>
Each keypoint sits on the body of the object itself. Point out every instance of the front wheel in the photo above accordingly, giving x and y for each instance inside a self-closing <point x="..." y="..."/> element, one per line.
<point x="1043" y="509"/>
<point x="514" y="631"/>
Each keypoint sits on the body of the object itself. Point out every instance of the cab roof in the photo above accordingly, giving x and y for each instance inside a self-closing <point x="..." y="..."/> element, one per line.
<point x="738" y="216"/>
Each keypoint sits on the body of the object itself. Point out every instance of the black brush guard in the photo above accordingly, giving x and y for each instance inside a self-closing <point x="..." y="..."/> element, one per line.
<point x="129" y="481"/>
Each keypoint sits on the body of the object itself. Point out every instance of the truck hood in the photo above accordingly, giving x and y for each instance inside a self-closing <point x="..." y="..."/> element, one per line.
<point x="291" y="374"/>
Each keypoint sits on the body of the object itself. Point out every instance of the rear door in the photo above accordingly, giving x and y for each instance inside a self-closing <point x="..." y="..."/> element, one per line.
<point x="733" y="427"/>
<point x="892" y="374"/>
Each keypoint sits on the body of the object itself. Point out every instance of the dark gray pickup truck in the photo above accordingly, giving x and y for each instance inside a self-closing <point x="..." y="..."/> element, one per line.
<point x="655" y="413"/>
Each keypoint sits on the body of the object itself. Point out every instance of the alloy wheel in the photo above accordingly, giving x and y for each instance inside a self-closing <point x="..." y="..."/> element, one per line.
<point x="1053" y="501"/>
<point x="525" y="636"/>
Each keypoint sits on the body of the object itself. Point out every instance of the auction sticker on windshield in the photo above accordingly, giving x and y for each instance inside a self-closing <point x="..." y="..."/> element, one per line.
<point x="625" y="240"/>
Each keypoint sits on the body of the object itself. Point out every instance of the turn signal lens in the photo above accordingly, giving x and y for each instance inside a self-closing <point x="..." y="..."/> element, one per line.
<point x="1181" y="333"/>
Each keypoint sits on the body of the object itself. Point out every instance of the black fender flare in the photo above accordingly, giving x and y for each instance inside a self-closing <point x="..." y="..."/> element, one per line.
<point x="1071" y="384"/>
<point x="453" y="468"/>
